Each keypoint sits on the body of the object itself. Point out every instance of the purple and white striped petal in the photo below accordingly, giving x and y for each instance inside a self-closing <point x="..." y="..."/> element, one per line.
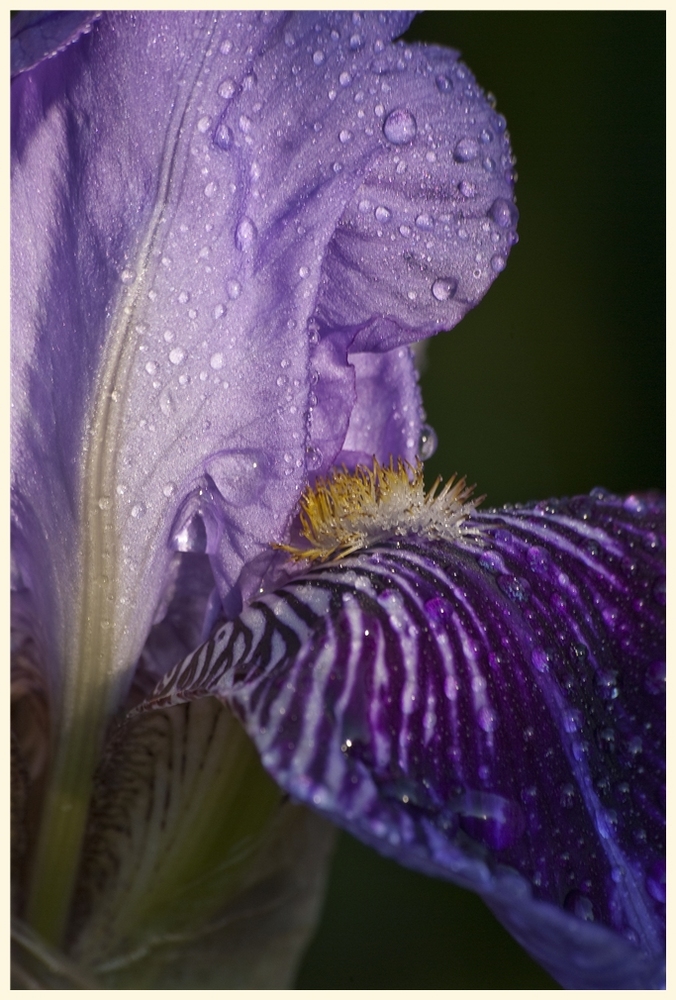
<point x="489" y="710"/>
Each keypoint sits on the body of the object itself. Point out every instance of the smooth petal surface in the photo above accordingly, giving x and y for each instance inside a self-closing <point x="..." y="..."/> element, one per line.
<point x="186" y="189"/>
<point x="489" y="710"/>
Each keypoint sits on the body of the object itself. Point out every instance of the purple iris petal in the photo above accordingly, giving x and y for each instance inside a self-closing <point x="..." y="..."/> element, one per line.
<point x="188" y="230"/>
<point x="38" y="35"/>
<point x="489" y="710"/>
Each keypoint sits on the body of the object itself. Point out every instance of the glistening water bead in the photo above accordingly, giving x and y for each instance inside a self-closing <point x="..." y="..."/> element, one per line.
<point x="400" y="127"/>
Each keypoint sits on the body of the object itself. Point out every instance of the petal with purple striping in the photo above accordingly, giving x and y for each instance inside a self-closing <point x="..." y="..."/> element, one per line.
<point x="487" y="709"/>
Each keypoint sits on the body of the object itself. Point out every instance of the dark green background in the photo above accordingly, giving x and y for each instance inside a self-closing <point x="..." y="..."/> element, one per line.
<point x="553" y="385"/>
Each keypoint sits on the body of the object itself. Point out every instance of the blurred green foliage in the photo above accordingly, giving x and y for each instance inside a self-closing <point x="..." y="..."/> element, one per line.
<point x="553" y="385"/>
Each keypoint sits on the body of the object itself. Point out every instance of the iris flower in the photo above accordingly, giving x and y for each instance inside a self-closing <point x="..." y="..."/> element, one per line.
<point x="227" y="230"/>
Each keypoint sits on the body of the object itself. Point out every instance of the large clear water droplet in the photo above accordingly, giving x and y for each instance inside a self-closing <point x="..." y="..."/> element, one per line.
<point x="504" y="213"/>
<point x="444" y="289"/>
<point x="199" y="523"/>
<point x="400" y="127"/>
<point x="465" y="150"/>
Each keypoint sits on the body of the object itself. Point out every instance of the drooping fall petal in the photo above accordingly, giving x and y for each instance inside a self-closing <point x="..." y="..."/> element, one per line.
<point x="488" y="709"/>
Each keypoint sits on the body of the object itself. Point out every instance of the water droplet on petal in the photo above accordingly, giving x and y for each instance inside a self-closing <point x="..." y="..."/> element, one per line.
<point x="465" y="150"/>
<point x="400" y="127"/>
<point x="234" y="289"/>
<point x="203" y="124"/>
<point x="151" y="367"/>
<point x="567" y="796"/>
<point x="169" y="489"/>
<point x="487" y="719"/>
<point x="382" y="214"/>
<point x="223" y="136"/>
<point x="444" y="288"/>
<point x="246" y="234"/>
<point x="540" y="659"/>
<point x="498" y="263"/>
<point x="345" y="135"/>
<point x="318" y="57"/>
<point x="467" y="189"/>
<point x="439" y="612"/>
<point x="167" y="404"/>
<point x="105" y="503"/>
<point x="345" y="79"/>
<point x="504" y="213"/>
<point x="491" y="819"/>
<point x="572" y="720"/>
<point x="127" y="276"/>
<point x="577" y="903"/>
<point x="492" y="562"/>
<point x="514" y="587"/>
<point x="227" y="88"/>
<point x="177" y="355"/>
<point x="138" y="510"/>
<point x="313" y="458"/>
<point x="427" y="444"/>
<point x="444" y="83"/>
<point x="216" y="361"/>
<point x="245" y="124"/>
<point x="424" y="222"/>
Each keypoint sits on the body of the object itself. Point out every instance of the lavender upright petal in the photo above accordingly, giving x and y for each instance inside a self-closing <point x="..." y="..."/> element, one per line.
<point x="188" y="195"/>
<point x="489" y="710"/>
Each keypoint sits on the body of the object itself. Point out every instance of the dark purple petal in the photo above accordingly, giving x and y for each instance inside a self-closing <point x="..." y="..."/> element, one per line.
<point x="489" y="710"/>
